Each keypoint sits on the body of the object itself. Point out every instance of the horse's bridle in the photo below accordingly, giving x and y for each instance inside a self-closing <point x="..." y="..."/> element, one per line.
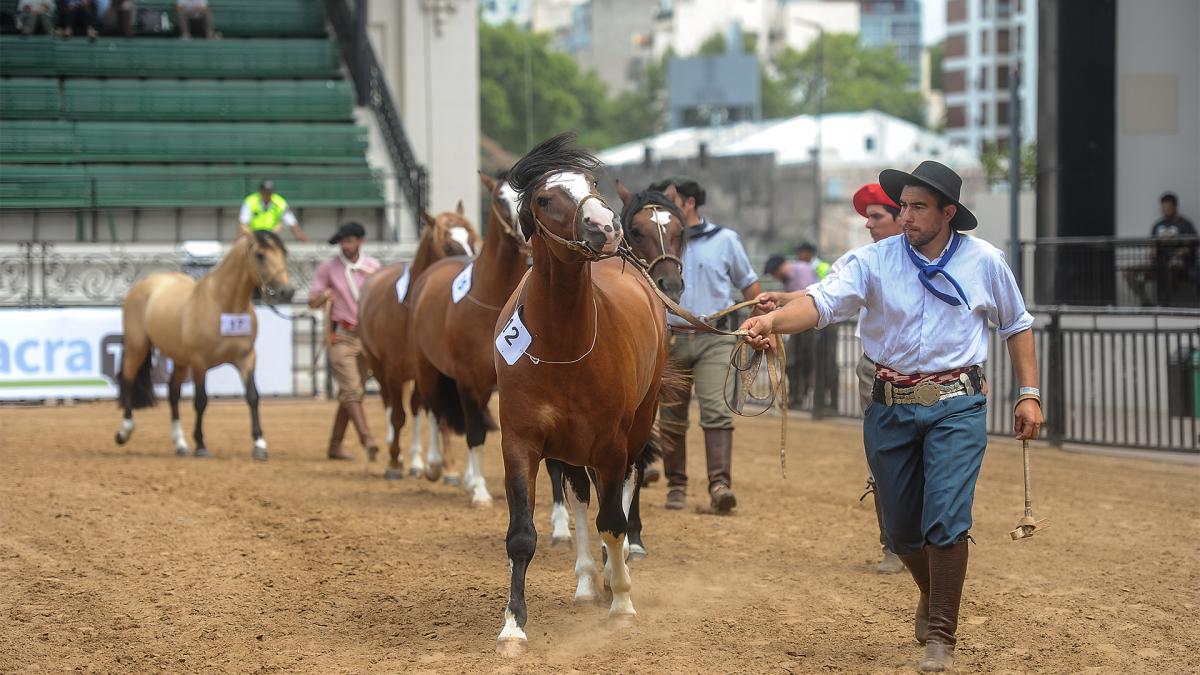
<point x="510" y="230"/>
<point x="654" y="210"/>
<point x="577" y="245"/>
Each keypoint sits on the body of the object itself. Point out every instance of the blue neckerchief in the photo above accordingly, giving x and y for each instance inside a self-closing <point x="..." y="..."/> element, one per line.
<point x="927" y="271"/>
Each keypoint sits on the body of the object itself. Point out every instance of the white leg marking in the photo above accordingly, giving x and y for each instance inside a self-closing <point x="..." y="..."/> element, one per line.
<point x="560" y="524"/>
<point x="512" y="640"/>
<point x="626" y="501"/>
<point x="433" y="469"/>
<point x="469" y="473"/>
<point x="619" y="580"/>
<point x="585" y="564"/>
<point x="126" y="429"/>
<point x="177" y="437"/>
<point x="391" y="432"/>
<point x="416" y="462"/>
<point x="479" y="491"/>
<point x="260" y="444"/>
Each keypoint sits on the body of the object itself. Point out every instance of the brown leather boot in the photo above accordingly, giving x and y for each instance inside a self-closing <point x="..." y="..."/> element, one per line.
<point x="718" y="446"/>
<point x="675" y="466"/>
<point x="918" y="565"/>
<point x="340" y="421"/>
<point x="947" y="570"/>
<point x="359" y="417"/>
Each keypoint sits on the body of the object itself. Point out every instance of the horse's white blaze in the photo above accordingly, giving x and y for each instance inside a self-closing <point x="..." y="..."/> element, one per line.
<point x="416" y="460"/>
<point x="126" y="430"/>
<point x="177" y="436"/>
<point x="511" y="199"/>
<point x="463" y="237"/>
<point x="618" y="576"/>
<point x="479" y="491"/>
<point x="585" y="564"/>
<point x="575" y="183"/>
<point x="560" y="523"/>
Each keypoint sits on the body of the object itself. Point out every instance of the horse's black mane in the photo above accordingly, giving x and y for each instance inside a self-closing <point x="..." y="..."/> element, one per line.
<point x="269" y="238"/>
<point x="554" y="154"/>
<point x="647" y="198"/>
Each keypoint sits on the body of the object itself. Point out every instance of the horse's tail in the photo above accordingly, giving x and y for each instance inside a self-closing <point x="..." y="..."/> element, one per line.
<point x="140" y="392"/>
<point x="676" y="383"/>
<point x="447" y="405"/>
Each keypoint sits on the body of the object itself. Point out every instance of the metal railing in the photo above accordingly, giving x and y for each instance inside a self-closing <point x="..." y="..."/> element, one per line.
<point x="1109" y="377"/>
<point x="1107" y="271"/>
<point x="371" y="88"/>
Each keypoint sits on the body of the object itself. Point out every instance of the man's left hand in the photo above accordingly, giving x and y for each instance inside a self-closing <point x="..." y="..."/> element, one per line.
<point x="1027" y="419"/>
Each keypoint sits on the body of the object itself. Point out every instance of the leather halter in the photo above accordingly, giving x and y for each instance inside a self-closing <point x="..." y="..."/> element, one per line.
<point x="662" y="241"/>
<point x="577" y="245"/>
<point x="510" y="230"/>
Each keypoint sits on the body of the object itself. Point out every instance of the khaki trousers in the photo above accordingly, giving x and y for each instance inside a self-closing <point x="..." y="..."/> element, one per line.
<point x="349" y="366"/>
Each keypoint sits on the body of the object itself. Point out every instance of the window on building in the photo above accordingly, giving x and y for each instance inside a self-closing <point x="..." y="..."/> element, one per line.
<point x="956" y="117"/>
<point x="1002" y="112"/>
<point x="954" y="81"/>
<point x="1003" y="9"/>
<point x="982" y="120"/>
<point x="984" y="9"/>
<point x="869" y="143"/>
<point x="1002" y="77"/>
<point x="983" y="79"/>
<point x="1002" y="41"/>
<point x="956" y="46"/>
<point x="956" y="11"/>
<point x="983" y="42"/>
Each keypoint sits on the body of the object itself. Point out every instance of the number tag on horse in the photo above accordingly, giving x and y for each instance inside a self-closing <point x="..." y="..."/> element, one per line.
<point x="402" y="285"/>
<point x="234" y="325"/>
<point x="461" y="285"/>
<point x="513" y="339"/>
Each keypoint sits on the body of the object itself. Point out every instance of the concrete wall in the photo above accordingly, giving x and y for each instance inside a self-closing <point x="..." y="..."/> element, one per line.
<point x="1158" y="111"/>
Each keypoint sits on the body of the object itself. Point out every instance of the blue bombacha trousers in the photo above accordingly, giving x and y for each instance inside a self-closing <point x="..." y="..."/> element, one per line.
<point x="925" y="461"/>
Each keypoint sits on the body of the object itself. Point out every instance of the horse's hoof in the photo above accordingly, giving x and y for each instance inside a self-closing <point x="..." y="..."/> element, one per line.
<point x="201" y="452"/>
<point x="622" y="620"/>
<point x="181" y="451"/>
<point x="478" y="502"/>
<point x="637" y="552"/>
<point x="555" y="541"/>
<point x="394" y="474"/>
<point x="122" y="440"/>
<point x="433" y="472"/>
<point x="511" y="647"/>
<point x="372" y="452"/>
<point x="259" y="454"/>
<point x="414" y="472"/>
<point x="452" y="480"/>
<point x="585" y="600"/>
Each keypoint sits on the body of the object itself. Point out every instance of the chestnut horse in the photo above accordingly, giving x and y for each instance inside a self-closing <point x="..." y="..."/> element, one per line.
<point x="454" y="310"/>
<point x="654" y="233"/>
<point x="581" y="348"/>
<point x="200" y="325"/>
<point x="383" y="319"/>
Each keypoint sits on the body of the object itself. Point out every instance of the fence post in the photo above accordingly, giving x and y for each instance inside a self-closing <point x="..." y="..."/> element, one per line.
<point x="1056" y="414"/>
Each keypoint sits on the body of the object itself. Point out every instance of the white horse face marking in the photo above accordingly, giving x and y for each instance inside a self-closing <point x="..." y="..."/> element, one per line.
<point x="511" y="199"/>
<point x="595" y="215"/>
<point x="463" y="237"/>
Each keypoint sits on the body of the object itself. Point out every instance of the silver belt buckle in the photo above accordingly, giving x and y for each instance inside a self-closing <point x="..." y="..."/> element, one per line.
<point x="927" y="393"/>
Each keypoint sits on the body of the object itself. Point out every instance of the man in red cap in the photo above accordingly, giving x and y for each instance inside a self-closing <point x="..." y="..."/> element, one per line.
<point x="872" y="203"/>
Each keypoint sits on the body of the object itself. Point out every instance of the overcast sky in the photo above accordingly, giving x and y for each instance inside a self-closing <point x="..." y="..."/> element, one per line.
<point x="933" y="21"/>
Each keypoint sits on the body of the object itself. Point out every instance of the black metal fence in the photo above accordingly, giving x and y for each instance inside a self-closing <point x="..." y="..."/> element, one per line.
<point x="1106" y="271"/>
<point x="1124" y="378"/>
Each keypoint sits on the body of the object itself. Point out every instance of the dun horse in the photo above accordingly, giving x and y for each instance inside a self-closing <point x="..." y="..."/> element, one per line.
<point x="454" y="309"/>
<point x="580" y="354"/>
<point x="654" y="231"/>
<point x="200" y="326"/>
<point x="383" y="315"/>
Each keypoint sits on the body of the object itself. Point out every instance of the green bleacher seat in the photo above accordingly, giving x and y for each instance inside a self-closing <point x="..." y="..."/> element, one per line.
<point x="34" y="187"/>
<point x="161" y="101"/>
<point x="142" y="57"/>
<point x="23" y="141"/>
<point x="29" y="99"/>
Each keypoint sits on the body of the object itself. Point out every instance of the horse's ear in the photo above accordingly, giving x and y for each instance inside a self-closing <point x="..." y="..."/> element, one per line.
<point x="671" y="192"/>
<point x="459" y="209"/>
<point x="428" y="219"/>
<point x="623" y="193"/>
<point x="488" y="182"/>
<point x="525" y="216"/>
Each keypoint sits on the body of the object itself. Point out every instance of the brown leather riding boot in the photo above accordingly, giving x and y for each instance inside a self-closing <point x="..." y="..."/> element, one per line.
<point x="340" y="421"/>
<point x="718" y="446"/>
<point x="675" y="466"/>
<point x="947" y="570"/>
<point x="918" y="565"/>
<point x="359" y="417"/>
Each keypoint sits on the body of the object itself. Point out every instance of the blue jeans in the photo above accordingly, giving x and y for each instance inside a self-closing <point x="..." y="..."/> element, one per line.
<point x="925" y="461"/>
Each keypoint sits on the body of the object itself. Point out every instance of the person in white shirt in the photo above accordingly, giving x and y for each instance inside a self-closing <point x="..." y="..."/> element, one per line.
<point x="929" y="296"/>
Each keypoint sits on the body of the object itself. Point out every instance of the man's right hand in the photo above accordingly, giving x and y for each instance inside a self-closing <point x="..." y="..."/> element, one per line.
<point x="759" y="330"/>
<point x="767" y="302"/>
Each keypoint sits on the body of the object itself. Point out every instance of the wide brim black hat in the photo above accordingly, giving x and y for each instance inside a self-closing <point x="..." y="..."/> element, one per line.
<point x="937" y="177"/>
<point x="348" y="230"/>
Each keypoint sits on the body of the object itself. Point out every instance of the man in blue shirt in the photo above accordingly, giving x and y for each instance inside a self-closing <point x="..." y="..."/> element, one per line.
<point x="929" y="297"/>
<point x="713" y="263"/>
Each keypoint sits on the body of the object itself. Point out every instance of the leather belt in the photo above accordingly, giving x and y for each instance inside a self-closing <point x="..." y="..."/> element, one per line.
<point x="929" y="392"/>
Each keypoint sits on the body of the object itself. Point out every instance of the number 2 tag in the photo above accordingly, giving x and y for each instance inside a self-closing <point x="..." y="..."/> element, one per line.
<point x="402" y="285"/>
<point x="461" y="285"/>
<point x="234" y="325"/>
<point x="513" y="339"/>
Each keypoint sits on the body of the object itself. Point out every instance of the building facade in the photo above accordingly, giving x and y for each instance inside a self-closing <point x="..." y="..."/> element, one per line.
<point x="985" y="41"/>
<point x="897" y="24"/>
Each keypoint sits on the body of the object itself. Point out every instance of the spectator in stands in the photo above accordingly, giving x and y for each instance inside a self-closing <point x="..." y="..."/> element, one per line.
<point x="189" y="11"/>
<point x="78" y="16"/>
<point x="1175" y="262"/>
<point x="265" y="210"/>
<point x="125" y="11"/>
<point x="32" y="12"/>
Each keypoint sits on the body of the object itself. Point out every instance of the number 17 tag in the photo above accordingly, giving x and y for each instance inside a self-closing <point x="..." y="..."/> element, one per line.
<point x="513" y="339"/>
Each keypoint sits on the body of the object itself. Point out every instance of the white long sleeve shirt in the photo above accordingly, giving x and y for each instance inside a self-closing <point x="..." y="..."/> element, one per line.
<point x="907" y="328"/>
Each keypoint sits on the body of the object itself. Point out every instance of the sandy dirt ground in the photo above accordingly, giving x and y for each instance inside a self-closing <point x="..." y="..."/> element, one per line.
<point x="130" y="559"/>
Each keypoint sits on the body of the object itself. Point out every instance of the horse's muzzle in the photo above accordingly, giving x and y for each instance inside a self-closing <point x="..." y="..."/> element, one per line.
<point x="279" y="296"/>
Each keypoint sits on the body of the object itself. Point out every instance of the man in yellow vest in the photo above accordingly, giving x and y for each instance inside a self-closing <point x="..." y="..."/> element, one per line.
<point x="264" y="210"/>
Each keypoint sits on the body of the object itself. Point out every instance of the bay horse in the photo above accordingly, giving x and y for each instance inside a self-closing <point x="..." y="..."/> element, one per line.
<point x="452" y="330"/>
<point x="383" y="319"/>
<point x="200" y="325"/>
<point x="654" y="232"/>
<point x="581" y="349"/>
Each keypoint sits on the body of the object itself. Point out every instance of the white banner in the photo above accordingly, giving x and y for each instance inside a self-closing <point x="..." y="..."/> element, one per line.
<point x="75" y="353"/>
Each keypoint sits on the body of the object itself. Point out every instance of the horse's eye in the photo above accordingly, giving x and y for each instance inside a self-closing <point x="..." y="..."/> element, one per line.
<point x="636" y="234"/>
<point x="260" y="256"/>
<point x="543" y="201"/>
